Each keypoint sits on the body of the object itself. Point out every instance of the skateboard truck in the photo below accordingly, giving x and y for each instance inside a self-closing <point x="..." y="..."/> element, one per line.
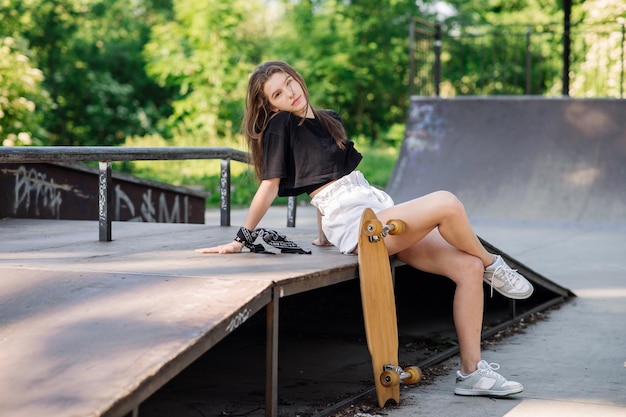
<point x="392" y="375"/>
<point x="375" y="230"/>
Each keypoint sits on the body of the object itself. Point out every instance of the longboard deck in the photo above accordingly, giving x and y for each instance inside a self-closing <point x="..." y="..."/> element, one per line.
<point x="379" y="307"/>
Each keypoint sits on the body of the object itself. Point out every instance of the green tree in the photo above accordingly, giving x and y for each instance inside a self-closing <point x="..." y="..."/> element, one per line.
<point x="492" y="46"/>
<point x="90" y="54"/>
<point x="600" y="46"/>
<point x="354" y="56"/>
<point x="505" y="12"/>
<point x="22" y="99"/>
<point x="206" y="53"/>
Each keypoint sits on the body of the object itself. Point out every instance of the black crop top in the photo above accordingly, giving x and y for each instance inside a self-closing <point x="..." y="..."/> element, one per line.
<point x="304" y="157"/>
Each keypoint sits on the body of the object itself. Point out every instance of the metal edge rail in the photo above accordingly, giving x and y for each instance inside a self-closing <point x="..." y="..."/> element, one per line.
<point x="444" y="355"/>
<point x="104" y="155"/>
<point x="25" y="154"/>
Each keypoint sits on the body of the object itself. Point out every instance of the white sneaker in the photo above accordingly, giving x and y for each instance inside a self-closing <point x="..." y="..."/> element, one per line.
<point x="507" y="281"/>
<point x="485" y="381"/>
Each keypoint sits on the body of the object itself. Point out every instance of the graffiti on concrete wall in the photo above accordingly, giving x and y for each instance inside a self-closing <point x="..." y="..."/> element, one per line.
<point x="39" y="194"/>
<point x="35" y="192"/>
<point x="148" y="211"/>
<point x="425" y="133"/>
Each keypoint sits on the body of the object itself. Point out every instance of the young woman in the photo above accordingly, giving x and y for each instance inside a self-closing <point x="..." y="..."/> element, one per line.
<point x="297" y="149"/>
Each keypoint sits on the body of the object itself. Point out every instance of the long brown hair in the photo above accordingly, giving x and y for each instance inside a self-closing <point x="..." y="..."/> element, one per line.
<point x="258" y="112"/>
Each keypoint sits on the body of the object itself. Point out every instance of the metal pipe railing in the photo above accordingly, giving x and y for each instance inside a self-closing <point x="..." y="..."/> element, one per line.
<point x="25" y="154"/>
<point x="104" y="155"/>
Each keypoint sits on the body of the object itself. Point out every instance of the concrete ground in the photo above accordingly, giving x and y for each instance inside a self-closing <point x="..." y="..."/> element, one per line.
<point x="574" y="363"/>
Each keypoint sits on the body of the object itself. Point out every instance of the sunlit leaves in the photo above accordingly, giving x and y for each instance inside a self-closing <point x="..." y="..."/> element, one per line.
<point x="206" y="53"/>
<point x="22" y="99"/>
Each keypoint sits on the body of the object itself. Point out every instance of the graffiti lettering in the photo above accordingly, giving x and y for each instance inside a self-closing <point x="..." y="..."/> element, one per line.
<point x="238" y="320"/>
<point x="174" y="217"/>
<point x="40" y="196"/>
<point x="148" y="211"/>
<point x="102" y="200"/>
<point x="147" y="208"/>
<point x="122" y="199"/>
<point x="223" y="189"/>
<point x="34" y="190"/>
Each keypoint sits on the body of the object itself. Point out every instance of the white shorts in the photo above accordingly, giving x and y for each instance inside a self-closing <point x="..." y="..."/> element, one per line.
<point x="341" y="205"/>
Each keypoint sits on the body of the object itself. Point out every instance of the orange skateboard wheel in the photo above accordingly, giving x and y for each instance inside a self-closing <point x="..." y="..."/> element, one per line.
<point x="389" y="378"/>
<point x="372" y="228"/>
<point x="416" y="375"/>
<point x="396" y="227"/>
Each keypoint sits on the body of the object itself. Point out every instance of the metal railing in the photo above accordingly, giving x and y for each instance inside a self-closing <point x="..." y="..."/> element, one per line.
<point x="453" y="59"/>
<point x="105" y="155"/>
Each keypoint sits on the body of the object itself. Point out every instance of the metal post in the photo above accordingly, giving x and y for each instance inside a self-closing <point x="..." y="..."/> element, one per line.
<point x="567" y="11"/>
<point x="512" y="309"/>
<point x="104" y="200"/>
<point x="412" y="57"/>
<point x="621" y="78"/>
<point x="225" y="193"/>
<point x="292" y="204"/>
<point x="528" y="61"/>
<point x="437" y="69"/>
<point x="271" y="357"/>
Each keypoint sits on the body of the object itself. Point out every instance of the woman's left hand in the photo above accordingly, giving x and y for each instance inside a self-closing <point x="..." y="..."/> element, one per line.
<point x="232" y="247"/>
<point x="322" y="242"/>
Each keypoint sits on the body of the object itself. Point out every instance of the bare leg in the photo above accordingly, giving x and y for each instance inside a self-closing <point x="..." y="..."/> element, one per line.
<point x="433" y="254"/>
<point x="439" y="239"/>
<point x="440" y="210"/>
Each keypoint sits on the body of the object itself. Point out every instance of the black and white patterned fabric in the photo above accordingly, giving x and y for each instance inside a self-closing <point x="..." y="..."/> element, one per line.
<point x="271" y="237"/>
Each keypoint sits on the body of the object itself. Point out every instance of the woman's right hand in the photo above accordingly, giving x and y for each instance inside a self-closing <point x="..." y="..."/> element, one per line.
<point x="232" y="247"/>
<point x="321" y="236"/>
<point x="267" y="192"/>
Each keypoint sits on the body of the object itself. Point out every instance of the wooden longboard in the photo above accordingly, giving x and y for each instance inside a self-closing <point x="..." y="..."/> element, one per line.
<point x="379" y="308"/>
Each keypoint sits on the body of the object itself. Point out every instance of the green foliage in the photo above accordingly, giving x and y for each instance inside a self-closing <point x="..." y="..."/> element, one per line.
<point x="515" y="47"/>
<point x="489" y="60"/>
<point x="501" y="47"/>
<point x="206" y="53"/>
<point x="90" y="54"/>
<point x="22" y="100"/>
<point x="599" y="68"/>
<point x="378" y="163"/>
<point x="505" y="12"/>
<point x="353" y="56"/>
<point x="107" y="72"/>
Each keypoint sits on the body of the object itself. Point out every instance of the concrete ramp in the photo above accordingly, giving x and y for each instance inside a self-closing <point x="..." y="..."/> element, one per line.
<point x="518" y="158"/>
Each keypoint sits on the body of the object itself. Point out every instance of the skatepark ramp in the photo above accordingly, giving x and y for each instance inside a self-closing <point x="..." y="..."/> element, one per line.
<point x="522" y="159"/>
<point x="95" y="328"/>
